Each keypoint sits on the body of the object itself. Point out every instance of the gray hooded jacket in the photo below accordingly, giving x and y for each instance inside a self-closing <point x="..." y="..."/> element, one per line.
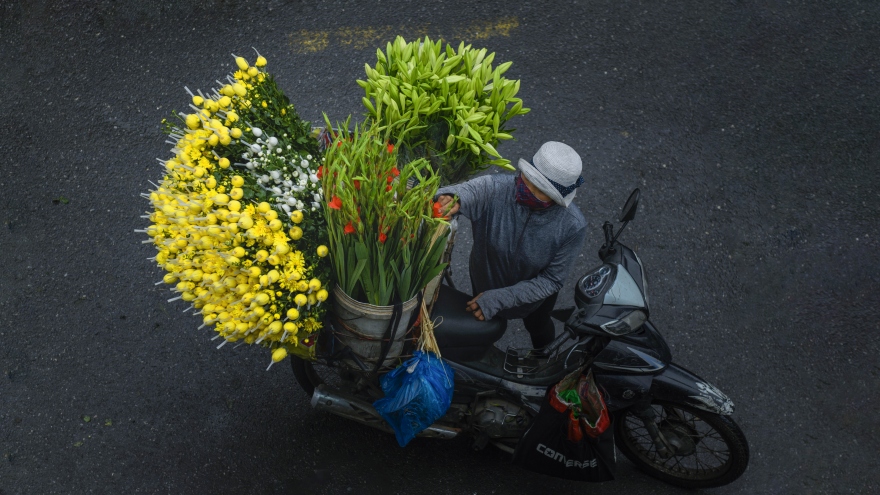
<point x="520" y="257"/>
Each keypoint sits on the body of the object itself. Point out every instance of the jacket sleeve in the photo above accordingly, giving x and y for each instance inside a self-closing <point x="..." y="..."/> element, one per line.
<point x="548" y="281"/>
<point x="474" y="195"/>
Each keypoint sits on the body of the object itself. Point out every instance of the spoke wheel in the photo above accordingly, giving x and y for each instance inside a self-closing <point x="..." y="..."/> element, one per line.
<point x="708" y="450"/>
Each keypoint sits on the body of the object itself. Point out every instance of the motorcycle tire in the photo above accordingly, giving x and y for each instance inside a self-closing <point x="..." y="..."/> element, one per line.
<point x="305" y="375"/>
<point x="310" y="374"/>
<point x="697" y="433"/>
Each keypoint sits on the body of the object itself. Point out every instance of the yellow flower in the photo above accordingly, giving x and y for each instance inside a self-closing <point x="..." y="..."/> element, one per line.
<point x="296" y="216"/>
<point x="322" y="250"/>
<point x="245" y="222"/>
<point x="261" y="61"/>
<point x="279" y="354"/>
<point x="279" y="239"/>
<point x="241" y="63"/>
<point x="193" y="121"/>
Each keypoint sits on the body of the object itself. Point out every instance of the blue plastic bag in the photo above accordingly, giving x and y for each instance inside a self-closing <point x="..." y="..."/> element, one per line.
<point x="417" y="393"/>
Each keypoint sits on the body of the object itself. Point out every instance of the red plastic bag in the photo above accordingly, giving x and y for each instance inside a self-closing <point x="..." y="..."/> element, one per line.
<point x="593" y="413"/>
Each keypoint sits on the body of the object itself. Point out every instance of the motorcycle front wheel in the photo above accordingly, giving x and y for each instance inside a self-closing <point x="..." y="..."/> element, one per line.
<point x="709" y="450"/>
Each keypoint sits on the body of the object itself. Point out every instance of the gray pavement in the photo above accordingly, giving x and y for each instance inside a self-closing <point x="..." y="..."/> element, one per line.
<point x="752" y="128"/>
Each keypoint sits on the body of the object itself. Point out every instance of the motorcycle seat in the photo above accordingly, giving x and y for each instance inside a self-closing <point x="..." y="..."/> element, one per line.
<point x="460" y="336"/>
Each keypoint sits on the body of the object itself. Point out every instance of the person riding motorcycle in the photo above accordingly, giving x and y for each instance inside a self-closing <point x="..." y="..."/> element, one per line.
<point x="526" y="234"/>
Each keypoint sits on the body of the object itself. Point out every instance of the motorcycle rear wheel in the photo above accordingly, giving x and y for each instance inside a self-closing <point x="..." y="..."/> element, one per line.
<point x="310" y="374"/>
<point x="712" y="450"/>
<point x="305" y="375"/>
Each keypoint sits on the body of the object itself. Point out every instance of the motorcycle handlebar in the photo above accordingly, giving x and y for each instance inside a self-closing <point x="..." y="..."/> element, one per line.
<point x="608" y="230"/>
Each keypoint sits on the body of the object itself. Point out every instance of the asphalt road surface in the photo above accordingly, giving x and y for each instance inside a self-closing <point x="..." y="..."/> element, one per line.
<point x="750" y="127"/>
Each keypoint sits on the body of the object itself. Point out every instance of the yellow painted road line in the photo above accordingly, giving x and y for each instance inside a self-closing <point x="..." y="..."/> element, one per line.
<point x="372" y="37"/>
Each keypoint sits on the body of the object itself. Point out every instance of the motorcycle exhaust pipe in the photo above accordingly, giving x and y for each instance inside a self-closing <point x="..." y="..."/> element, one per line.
<point x="329" y="399"/>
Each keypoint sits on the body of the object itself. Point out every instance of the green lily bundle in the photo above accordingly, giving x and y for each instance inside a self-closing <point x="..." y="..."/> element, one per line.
<point x="386" y="236"/>
<point x="448" y="106"/>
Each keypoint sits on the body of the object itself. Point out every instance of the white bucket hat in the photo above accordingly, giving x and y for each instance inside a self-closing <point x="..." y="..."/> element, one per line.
<point x="555" y="170"/>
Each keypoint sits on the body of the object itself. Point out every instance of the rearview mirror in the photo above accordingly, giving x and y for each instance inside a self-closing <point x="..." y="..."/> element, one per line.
<point x="629" y="209"/>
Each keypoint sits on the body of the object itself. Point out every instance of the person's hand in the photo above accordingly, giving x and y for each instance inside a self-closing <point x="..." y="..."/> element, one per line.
<point x="474" y="308"/>
<point x="448" y="206"/>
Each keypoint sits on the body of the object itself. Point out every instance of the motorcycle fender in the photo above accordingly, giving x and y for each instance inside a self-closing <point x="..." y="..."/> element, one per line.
<point x="676" y="384"/>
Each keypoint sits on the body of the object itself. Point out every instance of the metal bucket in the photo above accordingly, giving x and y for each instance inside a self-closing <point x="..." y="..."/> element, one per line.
<point x="362" y="326"/>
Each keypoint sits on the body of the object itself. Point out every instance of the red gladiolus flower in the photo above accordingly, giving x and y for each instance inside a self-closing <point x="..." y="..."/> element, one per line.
<point x="383" y="238"/>
<point x="394" y="171"/>
<point x="320" y="171"/>
<point x="388" y="189"/>
<point x="437" y="210"/>
<point x="390" y="147"/>
<point x="349" y="228"/>
<point x="335" y="203"/>
<point x="338" y="143"/>
<point x="357" y="185"/>
<point x="390" y="179"/>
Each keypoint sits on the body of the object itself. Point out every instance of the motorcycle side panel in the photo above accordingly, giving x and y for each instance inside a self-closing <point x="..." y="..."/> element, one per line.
<point x="621" y="390"/>
<point x="676" y="384"/>
<point x="470" y="382"/>
<point x="623" y="357"/>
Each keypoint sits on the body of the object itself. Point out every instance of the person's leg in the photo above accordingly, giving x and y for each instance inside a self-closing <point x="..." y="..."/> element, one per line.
<point x="540" y="325"/>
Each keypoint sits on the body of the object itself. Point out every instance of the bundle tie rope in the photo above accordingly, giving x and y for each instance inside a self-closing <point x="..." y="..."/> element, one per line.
<point x="427" y="341"/>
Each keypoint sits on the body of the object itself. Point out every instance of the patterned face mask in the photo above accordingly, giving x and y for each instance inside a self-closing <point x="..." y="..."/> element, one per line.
<point x="525" y="197"/>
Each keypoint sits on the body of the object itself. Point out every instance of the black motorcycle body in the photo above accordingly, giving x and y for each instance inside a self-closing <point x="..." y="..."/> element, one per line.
<point x="663" y="413"/>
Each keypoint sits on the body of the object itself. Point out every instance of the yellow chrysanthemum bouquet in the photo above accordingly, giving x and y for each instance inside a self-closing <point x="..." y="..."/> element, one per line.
<point x="238" y="221"/>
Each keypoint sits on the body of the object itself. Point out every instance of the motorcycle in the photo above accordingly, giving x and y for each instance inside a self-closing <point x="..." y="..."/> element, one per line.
<point x="669" y="422"/>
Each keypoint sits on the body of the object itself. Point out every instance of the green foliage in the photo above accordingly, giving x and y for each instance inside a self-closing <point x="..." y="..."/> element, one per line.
<point x="448" y="106"/>
<point x="384" y="241"/>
